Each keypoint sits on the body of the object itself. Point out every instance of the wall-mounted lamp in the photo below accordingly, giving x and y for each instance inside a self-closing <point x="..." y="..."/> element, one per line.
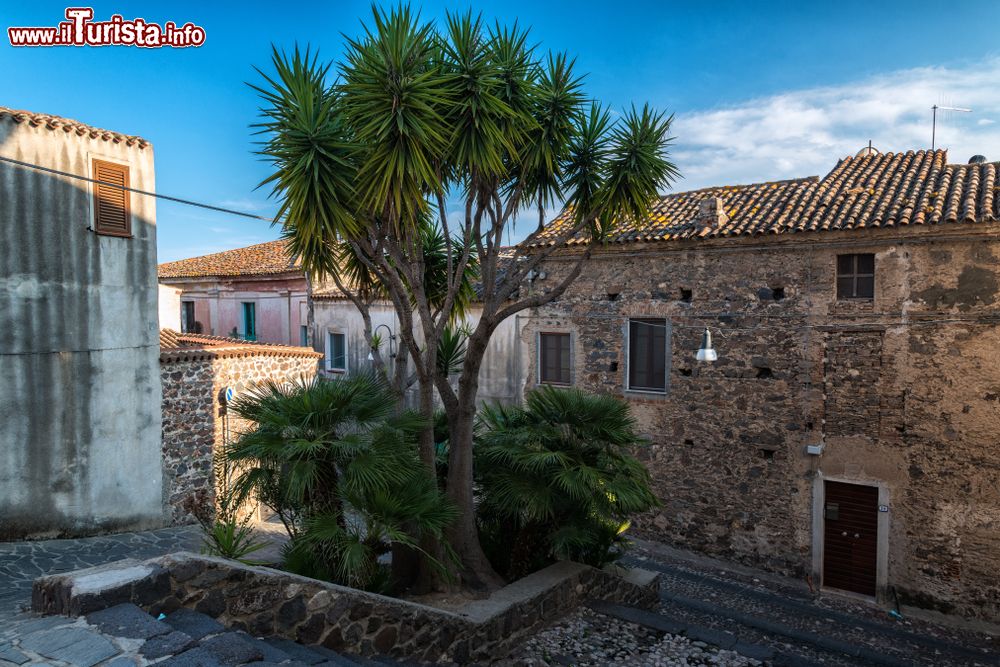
<point x="375" y="342"/>
<point x="706" y="352"/>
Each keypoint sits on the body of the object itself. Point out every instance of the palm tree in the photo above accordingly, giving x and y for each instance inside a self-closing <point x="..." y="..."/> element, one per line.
<point x="557" y="479"/>
<point x="335" y="460"/>
<point x="422" y="115"/>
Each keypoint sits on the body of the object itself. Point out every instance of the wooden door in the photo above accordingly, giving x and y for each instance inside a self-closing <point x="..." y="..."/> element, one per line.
<point x="850" y="537"/>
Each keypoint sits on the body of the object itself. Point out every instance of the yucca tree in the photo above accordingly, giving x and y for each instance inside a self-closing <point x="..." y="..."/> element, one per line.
<point x="335" y="460"/>
<point x="462" y="118"/>
<point x="558" y="479"/>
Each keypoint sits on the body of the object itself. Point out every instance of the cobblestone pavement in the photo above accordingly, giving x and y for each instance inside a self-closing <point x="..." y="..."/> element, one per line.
<point x="22" y="562"/>
<point x="710" y="613"/>
<point x="126" y="636"/>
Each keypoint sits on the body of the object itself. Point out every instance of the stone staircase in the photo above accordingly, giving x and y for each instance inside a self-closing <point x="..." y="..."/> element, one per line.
<point x="789" y="626"/>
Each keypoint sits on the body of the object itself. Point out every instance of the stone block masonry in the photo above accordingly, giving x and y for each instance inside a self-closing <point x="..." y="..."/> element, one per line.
<point x="902" y="391"/>
<point x="266" y="602"/>
<point x="195" y="420"/>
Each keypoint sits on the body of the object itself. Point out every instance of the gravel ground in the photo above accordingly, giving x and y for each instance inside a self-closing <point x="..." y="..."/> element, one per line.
<point x="589" y="639"/>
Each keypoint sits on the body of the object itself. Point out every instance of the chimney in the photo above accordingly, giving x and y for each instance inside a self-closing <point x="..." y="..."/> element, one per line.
<point x="711" y="213"/>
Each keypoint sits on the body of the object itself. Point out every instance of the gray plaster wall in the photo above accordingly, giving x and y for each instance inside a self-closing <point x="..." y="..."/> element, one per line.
<point x="79" y="350"/>
<point x="501" y="378"/>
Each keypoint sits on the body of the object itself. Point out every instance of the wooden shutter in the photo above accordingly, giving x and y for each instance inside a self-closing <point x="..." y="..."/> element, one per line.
<point x="555" y="364"/>
<point x="112" y="210"/>
<point x="647" y="350"/>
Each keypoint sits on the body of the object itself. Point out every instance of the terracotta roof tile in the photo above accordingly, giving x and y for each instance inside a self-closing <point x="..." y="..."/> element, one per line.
<point x="261" y="259"/>
<point x="68" y="126"/>
<point x="861" y="192"/>
<point x="175" y="346"/>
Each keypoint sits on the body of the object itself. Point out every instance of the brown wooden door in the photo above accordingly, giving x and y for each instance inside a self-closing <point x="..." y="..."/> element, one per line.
<point x="850" y="537"/>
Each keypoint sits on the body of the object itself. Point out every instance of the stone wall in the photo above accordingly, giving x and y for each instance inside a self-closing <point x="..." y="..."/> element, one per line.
<point x="266" y="602"/>
<point x="902" y="392"/>
<point x="195" y="420"/>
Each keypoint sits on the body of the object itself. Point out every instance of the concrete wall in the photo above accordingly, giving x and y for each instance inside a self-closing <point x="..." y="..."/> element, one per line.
<point x="902" y="392"/>
<point x="80" y="397"/>
<point x="218" y="305"/>
<point x="501" y="377"/>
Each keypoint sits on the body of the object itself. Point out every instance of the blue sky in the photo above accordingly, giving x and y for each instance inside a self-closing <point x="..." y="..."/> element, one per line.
<point x="760" y="90"/>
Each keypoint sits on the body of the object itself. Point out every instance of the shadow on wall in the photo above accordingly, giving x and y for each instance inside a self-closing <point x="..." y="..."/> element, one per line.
<point x="80" y="397"/>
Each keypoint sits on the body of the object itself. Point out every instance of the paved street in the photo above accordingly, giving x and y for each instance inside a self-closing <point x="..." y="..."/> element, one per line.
<point x="704" y="603"/>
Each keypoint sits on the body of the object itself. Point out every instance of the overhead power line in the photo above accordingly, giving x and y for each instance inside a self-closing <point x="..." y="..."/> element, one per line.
<point x="158" y="195"/>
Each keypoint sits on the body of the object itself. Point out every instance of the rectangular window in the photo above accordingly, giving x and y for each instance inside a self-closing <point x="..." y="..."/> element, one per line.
<point x="187" y="317"/>
<point x="336" y="352"/>
<point x="112" y="209"/>
<point x="856" y="276"/>
<point x="304" y="336"/>
<point x="647" y="355"/>
<point x="249" y="321"/>
<point x="554" y="365"/>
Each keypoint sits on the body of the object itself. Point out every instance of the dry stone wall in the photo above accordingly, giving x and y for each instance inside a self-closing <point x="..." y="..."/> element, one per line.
<point x="901" y="392"/>
<point x="195" y="420"/>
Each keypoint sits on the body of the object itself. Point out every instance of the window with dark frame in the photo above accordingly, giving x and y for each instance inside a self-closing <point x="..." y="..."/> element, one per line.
<point x="554" y="362"/>
<point x="336" y="352"/>
<point x="856" y="276"/>
<point x="112" y="207"/>
<point x="647" y="355"/>
<point x="187" y="317"/>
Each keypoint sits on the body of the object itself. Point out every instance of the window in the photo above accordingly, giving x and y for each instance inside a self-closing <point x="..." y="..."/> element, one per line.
<point x="554" y="358"/>
<point x="304" y="336"/>
<point x="856" y="276"/>
<point x="112" y="210"/>
<point x="336" y="352"/>
<point x="187" y="317"/>
<point x="249" y="321"/>
<point x="647" y="355"/>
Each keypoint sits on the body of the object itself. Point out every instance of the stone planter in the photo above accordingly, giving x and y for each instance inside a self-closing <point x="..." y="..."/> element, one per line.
<point x="266" y="602"/>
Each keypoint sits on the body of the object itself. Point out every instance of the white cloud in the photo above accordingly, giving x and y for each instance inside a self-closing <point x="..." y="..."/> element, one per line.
<point x="246" y="205"/>
<point x="804" y="132"/>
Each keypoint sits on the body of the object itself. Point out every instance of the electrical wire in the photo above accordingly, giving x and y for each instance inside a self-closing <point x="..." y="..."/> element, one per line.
<point x="158" y="195"/>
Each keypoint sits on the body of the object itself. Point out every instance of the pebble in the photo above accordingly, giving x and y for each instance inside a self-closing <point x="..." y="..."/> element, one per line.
<point x="589" y="639"/>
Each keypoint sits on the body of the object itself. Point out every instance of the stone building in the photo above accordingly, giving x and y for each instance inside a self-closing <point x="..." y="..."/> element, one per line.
<point x="253" y="293"/>
<point x="80" y="397"/>
<point x="847" y="432"/>
<point x="196" y="370"/>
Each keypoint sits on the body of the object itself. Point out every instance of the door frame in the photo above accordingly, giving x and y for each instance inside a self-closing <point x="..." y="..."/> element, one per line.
<point x="881" y="539"/>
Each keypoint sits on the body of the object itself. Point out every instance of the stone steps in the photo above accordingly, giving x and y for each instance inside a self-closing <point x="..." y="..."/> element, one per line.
<point x="799" y="617"/>
<point x="793" y="619"/>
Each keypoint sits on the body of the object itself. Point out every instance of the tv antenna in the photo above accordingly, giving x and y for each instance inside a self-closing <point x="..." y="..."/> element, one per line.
<point x="934" y="121"/>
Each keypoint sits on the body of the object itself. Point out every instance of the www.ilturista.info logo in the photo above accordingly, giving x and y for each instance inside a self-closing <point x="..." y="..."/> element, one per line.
<point x="81" y="30"/>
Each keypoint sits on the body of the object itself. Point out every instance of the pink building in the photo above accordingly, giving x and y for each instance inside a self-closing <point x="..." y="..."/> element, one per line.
<point x="255" y="293"/>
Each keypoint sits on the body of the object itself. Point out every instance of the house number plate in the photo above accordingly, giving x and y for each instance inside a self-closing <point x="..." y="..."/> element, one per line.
<point x="882" y="508"/>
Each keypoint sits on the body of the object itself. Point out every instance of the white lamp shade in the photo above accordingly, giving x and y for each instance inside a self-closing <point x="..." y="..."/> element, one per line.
<point x="706" y="352"/>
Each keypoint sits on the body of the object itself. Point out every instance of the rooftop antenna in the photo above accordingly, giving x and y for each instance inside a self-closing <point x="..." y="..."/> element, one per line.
<point x="934" y="122"/>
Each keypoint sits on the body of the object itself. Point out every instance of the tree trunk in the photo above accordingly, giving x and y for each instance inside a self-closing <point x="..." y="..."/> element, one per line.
<point x="476" y="571"/>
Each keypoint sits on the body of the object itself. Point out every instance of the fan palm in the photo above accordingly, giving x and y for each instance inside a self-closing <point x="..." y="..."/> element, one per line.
<point x="557" y="479"/>
<point x="336" y="462"/>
